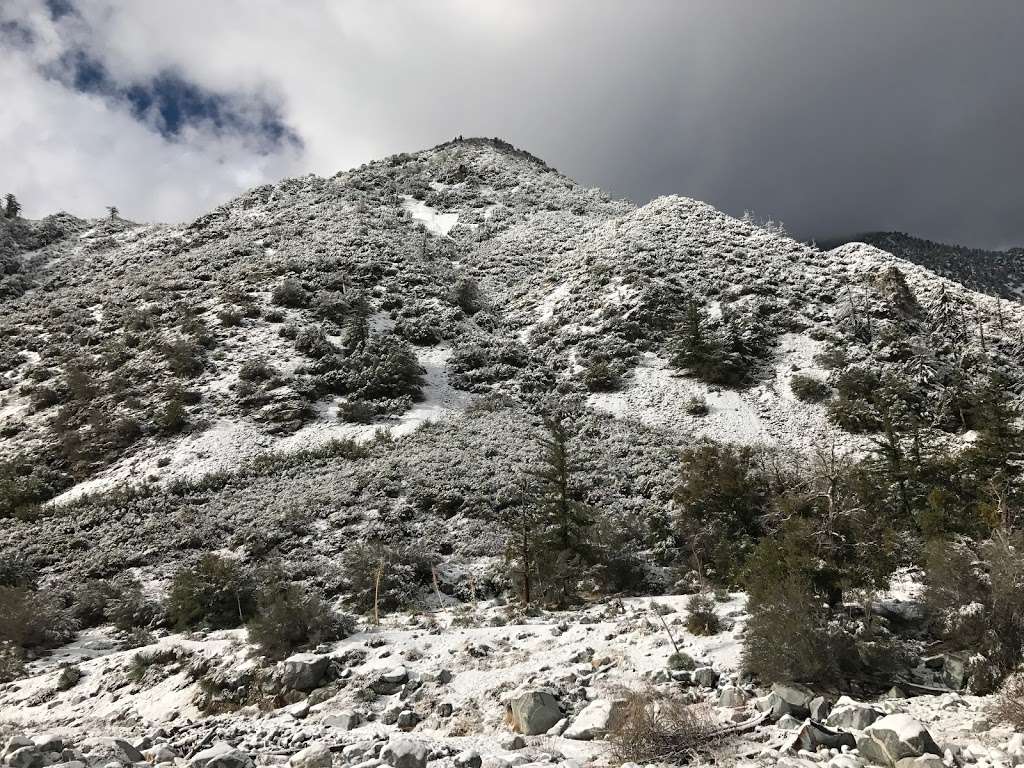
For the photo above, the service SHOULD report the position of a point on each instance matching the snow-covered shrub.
(214, 591)
(701, 616)
(383, 577)
(290, 293)
(1010, 703)
(12, 661)
(601, 375)
(808, 389)
(722, 495)
(290, 616)
(185, 357)
(662, 728)
(975, 596)
(34, 618)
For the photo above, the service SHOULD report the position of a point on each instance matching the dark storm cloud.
(835, 117)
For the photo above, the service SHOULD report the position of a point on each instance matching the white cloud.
(832, 117)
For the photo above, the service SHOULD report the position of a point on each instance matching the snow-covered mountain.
(1000, 273)
(148, 353)
(341, 389)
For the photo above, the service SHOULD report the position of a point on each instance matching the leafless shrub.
(661, 728)
(1009, 705)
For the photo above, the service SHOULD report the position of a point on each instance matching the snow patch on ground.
(230, 442)
(439, 224)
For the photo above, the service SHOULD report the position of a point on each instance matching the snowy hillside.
(449, 459)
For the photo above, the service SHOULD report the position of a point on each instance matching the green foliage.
(681, 661)
(12, 661)
(975, 595)
(701, 616)
(290, 616)
(290, 293)
(722, 495)
(808, 389)
(601, 375)
(216, 591)
(402, 571)
(726, 350)
(33, 618)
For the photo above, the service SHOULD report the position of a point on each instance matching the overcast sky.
(835, 117)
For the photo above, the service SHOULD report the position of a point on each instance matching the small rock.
(512, 743)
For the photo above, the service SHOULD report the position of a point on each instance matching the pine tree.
(357, 324)
(525, 542)
(11, 206)
(114, 213)
(565, 517)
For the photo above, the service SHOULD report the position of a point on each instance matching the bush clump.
(290, 293)
(217, 592)
(663, 728)
(808, 389)
(290, 616)
(702, 618)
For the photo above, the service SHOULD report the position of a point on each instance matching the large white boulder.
(596, 719)
(894, 737)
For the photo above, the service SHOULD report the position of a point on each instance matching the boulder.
(955, 670)
(25, 757)
(894, 737)
(407, 719)
(853, 716)
(468, 759)
(316, 755)
(731, 696)
(110, 749)
(343, 721)
(820, 708)
(303, 671)
(533, 712)
(796, 697)
(596, 719)
(47, 742)
(161, 754)
(220, 755)
(16, 742)
(811, 736)
(921, 761)
(405, 753)
(705, 677)
(397, 674)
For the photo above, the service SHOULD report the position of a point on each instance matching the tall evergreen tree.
(565, 516)
(11, 206)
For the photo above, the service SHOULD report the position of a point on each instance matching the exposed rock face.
(533, 712)
(895, 737)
